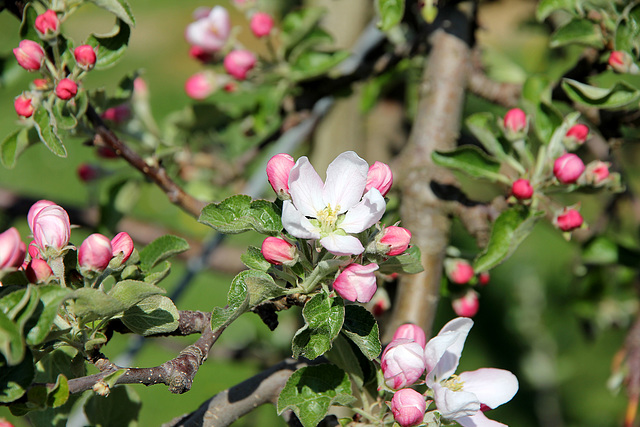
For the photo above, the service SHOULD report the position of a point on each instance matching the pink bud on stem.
(278, 169)
(278, 251)
(95, 253)
(47, 23)
(50, 226)
(568, 168)
(408, 407)
(569, 220)
(12, 249)
(357, 282)
(380, 177)
(30, 55)
(85, 57)
(261, 24)
(395, 240)
(66, 89)
(461, 272)
(38, 271)
(412, 332)
(515, 123)
(522, 189)
(23, 105)
(466, 305)
(200, 85)
(238, 63)
(122, 244)
(402, 363)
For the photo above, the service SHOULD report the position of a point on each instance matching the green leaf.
(312, 64)
(547, 7)
(536, 94)
(260, 286)
(627, 37)
(483, 127)
(110, 47)
(297, 25)
(131, 292)
(59, 395)
(120, 8)
(63, 115)
(11, 341)
(311, 390)
(346, 355)
(161, 249)
(119, 409)
(157, 276)
(324, 317)
(238, 214)
(619, 95)
(12, 146)
(409, 263)
(390, 12)
(580, 31)
(156, 314)
(253, 259)
(509, 230)
(51, 296)
(237, 304)
(472, 161)
(601, 251)
(361, 328)
(46, 132)
(95, 304)
(27, 26)
(14, 380)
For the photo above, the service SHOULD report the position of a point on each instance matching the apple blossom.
(578, 133)
(239, 62)
(66, 89)
(459, 271)
(515, 123)
(278, 251)
(412, 332)
(85, 56)
(12, 249)
(51, 228)
(522, 189)
(47, 23)
(23, 105)
(95, 253)
(41, 84)
(261, 24)
(357, 282)
(393, 240)
(200, 85)
(408, 407)
(210, 32)
(380, 177)
(35, 208)
(122, 244)
(569, 220)
(568, 168)
(30, 55)
(332, 210)
(38, 271)
(597, 172)
(466, 305)
(402, 363)
(278, 170)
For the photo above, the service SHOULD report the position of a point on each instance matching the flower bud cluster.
(464, 298)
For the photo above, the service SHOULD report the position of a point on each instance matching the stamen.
(454, 383)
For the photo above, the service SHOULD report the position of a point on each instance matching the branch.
(190, 322)
(505, 94)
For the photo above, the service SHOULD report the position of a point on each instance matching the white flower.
(464, 397)
(330, 211)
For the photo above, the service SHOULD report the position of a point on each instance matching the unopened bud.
(122, 244)
(85, 57)
(239, 62)
(38, 271)
(380, 177)
(278, 251)
(622, 62)
(66, 89)
(522, 189)
(596, 173)
(261, 24)
(23, 105)
(47, 24)
(12, 249)
(515, 124)
(569, 220)
(402, 363)
(357, 282)
(412, 332)
(200, 54)
(459, 271)
(95, 253)
(393, 240)
(278, 170)
(467, 305)
(200, 85)
(118, 114)
(568, 168)
(408, 407)
(30, 55)
(483, 278)
(51, 228)
(210, 31)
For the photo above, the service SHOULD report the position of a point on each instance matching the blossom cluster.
(463, 398)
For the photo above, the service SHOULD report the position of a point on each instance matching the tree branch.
(505, 94)
(190, 322)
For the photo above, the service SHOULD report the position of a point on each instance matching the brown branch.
(190, 322)
(505, 94)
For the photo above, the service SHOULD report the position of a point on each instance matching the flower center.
(328, 218)
(454, 383)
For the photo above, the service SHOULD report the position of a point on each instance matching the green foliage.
(253, 259)
(13, 145)
(409, 263)
(156, 314)
(239, 213)
(161, 249)
(16, 378)
(323, 317)
(110, 47)
(46, 126)
(361, 327)
(119, 8)
(390, 12)
(619, 95)
(120, 408)
(470, 160)
(581, 31)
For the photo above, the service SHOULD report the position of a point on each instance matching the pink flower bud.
(200, 54)
(578, 133)
(140, 88)
(461, 272)
(47, 24)
(278, 169)
(483, 278)
(30, 55)
(201, 12)
(12, 249)
(515, 122)
(118, 114)
(41, 84)
(200, 85)
(23, 106)
(622, 62)
(522, 189)
(396, 239)
(402, 363)
(412, 332)
(380, 303)
(467, 305)
(357, 282)
(408, 407)
(38, 271)
(66, 89)
(278, 251)
(33, 250)
(85, 57)
(88, 173)
(261, 24)
(35, 208)
(569, 220)
(239, 62)
(122, 243)
(95, 253)
(380, 177)
(210, 32)
(596, 172)
(51, 228)
(568, 168)
(106, 153)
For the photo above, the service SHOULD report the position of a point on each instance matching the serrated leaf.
(324, 317)
(110, 47)
(536, 94)
(27, 26)
(119, 409)
(161, 249)
(483, 127)
(311, 390)
(131, 292)
(547, 7)
(260, 286)
(59, 395)
(156, 314)
(409, 263)
(619, 95)
(238, 214)
(253, 259)
(157, 276)
(12, 146)
(390, 12)
(347, 357)
(361, 328)
(120, 8)
(580, 31)
(95, 304)
(46, 132)
(472, 161)
(51, 296)
(508, 231)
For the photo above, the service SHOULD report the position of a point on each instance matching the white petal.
(296, 223)
(346, 179)
(364, 214)
(305, 187)
(478, 420)
(455, 404)
(492, 386)
(342, 245)
(442, 352)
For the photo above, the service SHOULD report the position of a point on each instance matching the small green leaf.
(253, 259)
(156, 314)
(297, 25)
(547, 7)
(120, 8)
(161, 249)
(580, 31)
(110, 47)
(63, 115)
(312, 64)
(472, 161)
(619, 95)
(483, 127)
(27, 26)
(627, 37)
(46, 132)
(600, 251)
(238, 214)
(11, 342)
(260, 286)
(509, 230)
(59, 395)
(14, 380)
(119, 409)
(311, 390)
(361, 328)
(346, 355)
(131, 292)
(536, 95)
(390, 12)
(51, 296)
(12, 146)
(237, 303)
(324, 317)
(95, 304)
(409, 263)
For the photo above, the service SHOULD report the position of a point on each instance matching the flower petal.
(296, 224)
(342, 245)
(454, 404)
(443, 351)
(364, 214)
(346, 179)
(478, 420)
(492, 386)
(305, 187)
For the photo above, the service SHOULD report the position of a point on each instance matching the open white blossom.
(333, 210)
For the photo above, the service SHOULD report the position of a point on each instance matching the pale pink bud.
(597, 172)
(402, 363)
(412, 332)
(66, 89)
(12, 249)
(118, 114)
(380, 177)
(569, 220)
(210, 32)
(40, 84)
(38, 271)
(122, 243)
(467, 305)
(239, 62)
(30, 55)
(578, 133)
(95, 253)
(200, 85)
(522, 189)
(23, 106)
(357, 282)
(85, 56)
(515, 122)
(278, 251)
(568, 168)
(396, 238)
(140, 88)
(201, 12)
(51, 228)
(47, 23)
(200, 54)
(35, 208)
(461, 272)
(483, 278)
(622, 62)
(261, 24)
(408, 407)
(278, 169)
